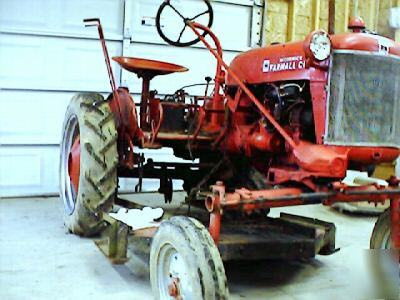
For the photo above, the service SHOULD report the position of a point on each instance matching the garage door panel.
(239, 19)
(200, 62)
(144, 30)
(50, 63)
(65, 18)
(32, 117)
(28, 170)
(35, 118)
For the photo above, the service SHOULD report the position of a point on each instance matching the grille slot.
(364, 108)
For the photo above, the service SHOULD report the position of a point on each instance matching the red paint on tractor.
(74, 163)
(395, 221)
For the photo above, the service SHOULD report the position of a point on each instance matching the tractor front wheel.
(381, 235)
(88, 163)
(185, 263)
(384, 263)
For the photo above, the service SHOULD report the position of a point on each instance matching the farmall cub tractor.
(280, 126)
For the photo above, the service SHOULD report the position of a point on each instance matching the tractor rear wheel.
(185, 263)
(88, 163)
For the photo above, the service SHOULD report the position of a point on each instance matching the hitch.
(114, 241)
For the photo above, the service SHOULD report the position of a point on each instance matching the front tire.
(89, 123)
(384, 263)
(185, 263)
(381, 235)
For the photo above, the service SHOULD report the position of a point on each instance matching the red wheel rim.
(74, 164)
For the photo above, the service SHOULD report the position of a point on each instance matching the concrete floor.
(38, 260)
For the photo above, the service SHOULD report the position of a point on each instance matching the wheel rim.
(172, 275)
(70, 168)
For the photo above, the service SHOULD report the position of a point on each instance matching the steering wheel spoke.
(181, 34)
(175, 10)
(199, 15)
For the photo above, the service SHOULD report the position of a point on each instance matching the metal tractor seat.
(147, 68)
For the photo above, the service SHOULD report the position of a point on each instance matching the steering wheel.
(207, 14)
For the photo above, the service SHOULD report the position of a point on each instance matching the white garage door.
(47, 55)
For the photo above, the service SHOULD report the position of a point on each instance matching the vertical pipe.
(355, 8)
(291, 21)
(376, 15)
(213, 205)
(316, 8)
(331, 24)
(264, 27)
(144, 101)
(346, 15)
(397, 32)
(371, 14)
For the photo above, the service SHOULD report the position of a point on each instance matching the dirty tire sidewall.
(195, 245)
(98, 163)
(385, 271)
(381, 229)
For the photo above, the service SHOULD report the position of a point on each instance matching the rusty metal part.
(156, 122)
(247, 200)
(286, 237)
(173, 288)
(148, 232)
(114, 241)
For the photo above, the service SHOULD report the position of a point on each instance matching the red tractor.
(280, 126)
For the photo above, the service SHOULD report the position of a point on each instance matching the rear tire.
(183, 254)
(98, 163)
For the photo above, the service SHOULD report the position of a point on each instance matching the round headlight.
(320, 45)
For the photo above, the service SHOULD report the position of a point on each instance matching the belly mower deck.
(286, 237)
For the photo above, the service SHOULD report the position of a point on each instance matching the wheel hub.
(70, 164)
(74, 163)
(173, 277)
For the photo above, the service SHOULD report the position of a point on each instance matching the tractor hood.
(290, 61)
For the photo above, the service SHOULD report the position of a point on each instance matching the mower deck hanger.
(271, 132)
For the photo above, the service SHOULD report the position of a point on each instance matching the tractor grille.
(364, 108)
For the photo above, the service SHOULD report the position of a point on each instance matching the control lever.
(208, 80)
